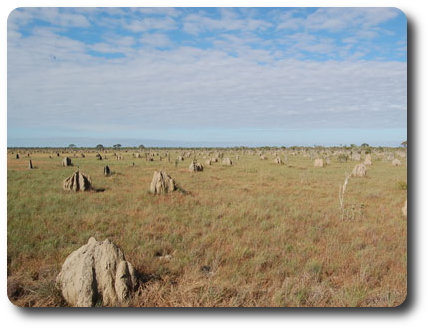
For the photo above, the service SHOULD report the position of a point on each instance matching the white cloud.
(337, 19)
(114, 44)
(121, 40)
(289, 22)
(43, 46)
(358, 23)
(158, 11)
(188, 86)
(197, 23)
(155, 40)
(151, 23)
(105, 48)
(53, 16)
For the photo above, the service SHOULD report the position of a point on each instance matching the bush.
(402, 185)
(342, 158)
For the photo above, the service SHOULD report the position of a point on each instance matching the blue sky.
(213, 76)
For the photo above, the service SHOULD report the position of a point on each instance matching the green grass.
(270, 234)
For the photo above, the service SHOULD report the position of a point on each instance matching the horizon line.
(210, 147)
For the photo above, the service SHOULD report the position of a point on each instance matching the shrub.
(342, 158)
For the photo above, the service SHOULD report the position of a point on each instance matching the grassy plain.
(253, 234)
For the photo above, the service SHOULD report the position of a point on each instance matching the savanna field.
(255, 234)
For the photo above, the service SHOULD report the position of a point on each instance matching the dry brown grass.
(253, 234)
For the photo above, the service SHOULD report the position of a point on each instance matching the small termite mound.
(227, 162)
(368, 160)
(278, 160)
(359, 170)
(66, 162)
(106, 170)
(319, 162)
(195, 167)
(77, 182)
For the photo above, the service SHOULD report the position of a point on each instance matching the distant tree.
(117, 146)
(141, 146)
(353, 145)
(99, 146)
(404, 144)
(364, 145)
(72, 145)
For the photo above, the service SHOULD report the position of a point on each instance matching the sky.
(206, 76)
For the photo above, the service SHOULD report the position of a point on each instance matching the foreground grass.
(254, 234)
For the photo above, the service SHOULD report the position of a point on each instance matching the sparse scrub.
(342, 158)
